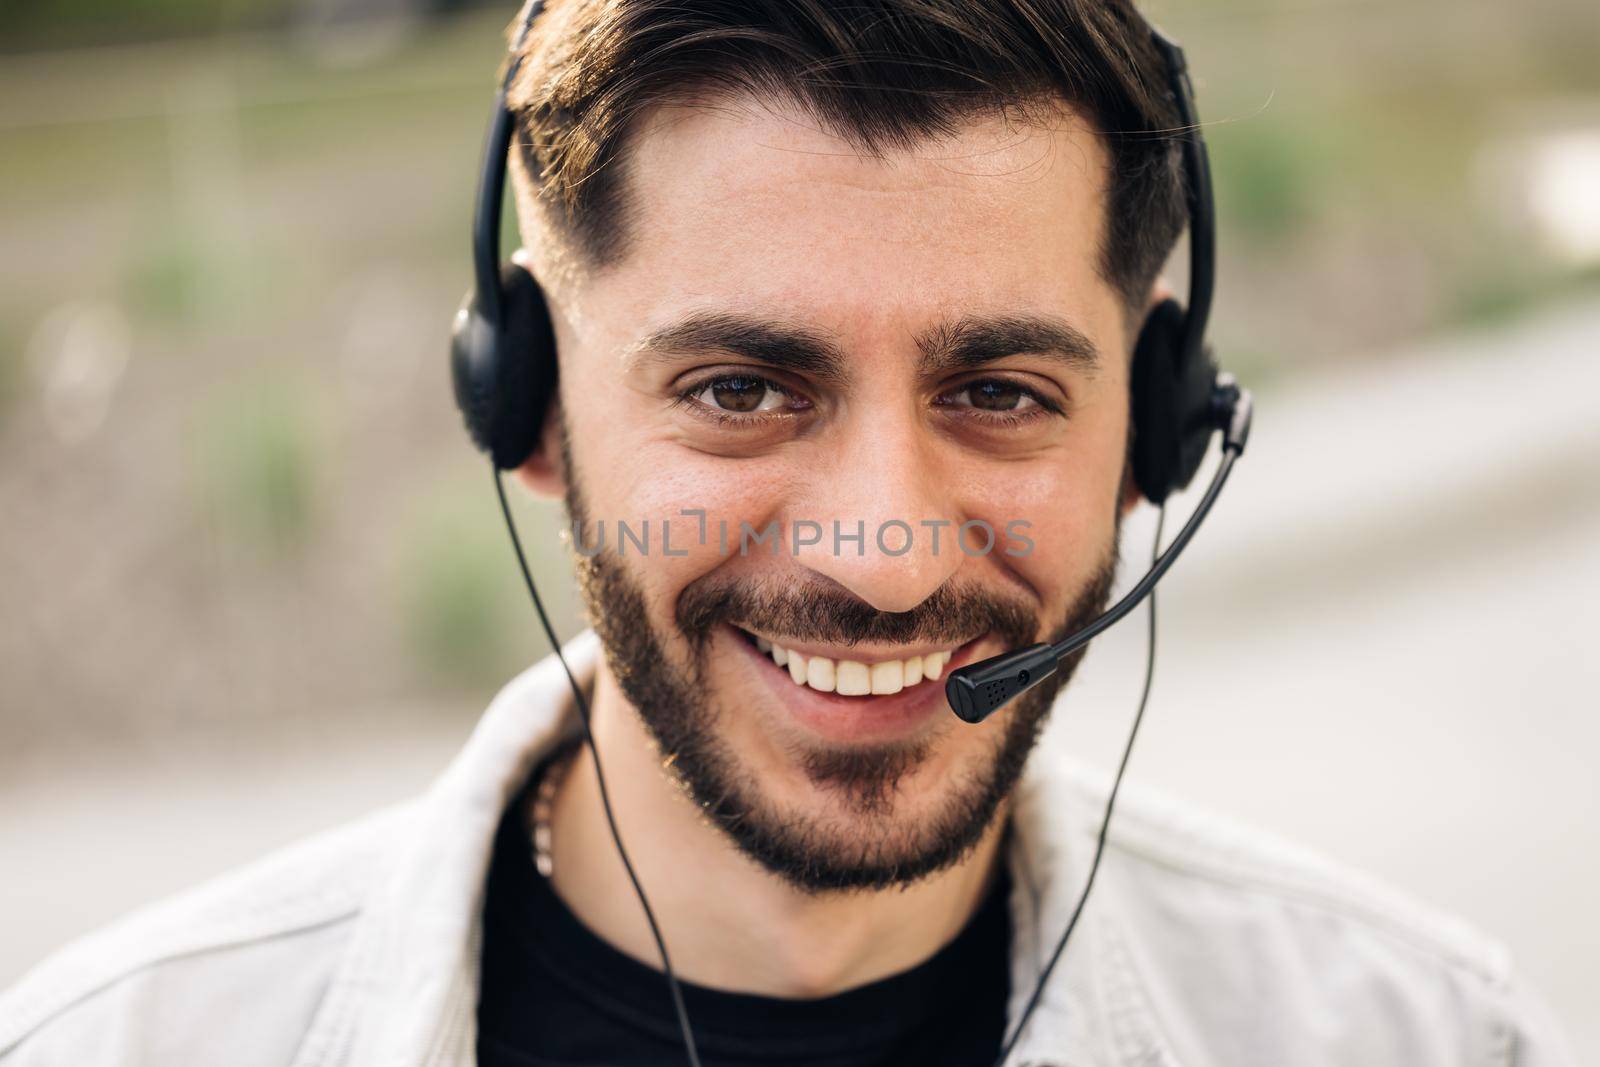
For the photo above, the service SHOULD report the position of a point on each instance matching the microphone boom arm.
(978, 690)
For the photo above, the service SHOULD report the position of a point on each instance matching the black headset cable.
(1105, 820)
(594, 754)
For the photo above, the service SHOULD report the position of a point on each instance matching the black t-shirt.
(554, 994)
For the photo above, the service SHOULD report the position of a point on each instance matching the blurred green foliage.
(29, 24)
(455, 592)
(1266, 169)
(1505, 292)
(11, 371)
(45, 23)
(166, 276)
(257, 451)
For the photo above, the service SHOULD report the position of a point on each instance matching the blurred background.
(254, 581)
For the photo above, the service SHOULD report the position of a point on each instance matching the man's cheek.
(706, 507)
(1054, 554)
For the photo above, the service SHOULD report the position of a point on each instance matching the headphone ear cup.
(527, 356)
(1170, 401)
(505, 378)
(1154, 400)
(474, 370)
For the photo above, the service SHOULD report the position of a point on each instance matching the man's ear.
(1130, 493)
(1160, 290)
(543, 474)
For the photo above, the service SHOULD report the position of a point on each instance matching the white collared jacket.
(1203, 944)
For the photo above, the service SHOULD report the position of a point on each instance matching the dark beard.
(872, 851)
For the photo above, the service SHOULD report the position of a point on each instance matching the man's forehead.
(733, 199)
(731, 147)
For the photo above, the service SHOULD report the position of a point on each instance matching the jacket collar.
(406, 992)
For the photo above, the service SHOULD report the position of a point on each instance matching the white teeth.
(888, 677)
(851, 677)
(819, 674)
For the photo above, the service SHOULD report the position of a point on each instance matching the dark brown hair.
(885, 74)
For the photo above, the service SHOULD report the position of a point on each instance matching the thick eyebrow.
(973, 341)
(965, 344)
(781, 345)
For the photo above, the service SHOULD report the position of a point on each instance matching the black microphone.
(978, 690)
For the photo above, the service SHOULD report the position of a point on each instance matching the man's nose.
(883, 516)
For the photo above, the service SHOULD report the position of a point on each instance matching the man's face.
(800, 334)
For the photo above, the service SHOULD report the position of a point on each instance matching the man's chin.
(826, 816)
(868, 824)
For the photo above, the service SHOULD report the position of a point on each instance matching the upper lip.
(864, 653)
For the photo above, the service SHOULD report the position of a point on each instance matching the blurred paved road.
(1384, 643)
(1382, 646)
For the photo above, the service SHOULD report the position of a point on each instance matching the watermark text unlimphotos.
(892, 537)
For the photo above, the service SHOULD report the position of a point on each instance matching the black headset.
(502, 344)
(503, 365)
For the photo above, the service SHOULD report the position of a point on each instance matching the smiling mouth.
(849, 677)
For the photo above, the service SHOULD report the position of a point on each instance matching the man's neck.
(728, 923)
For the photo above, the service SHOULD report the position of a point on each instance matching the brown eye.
(995, 396)
(740, 394)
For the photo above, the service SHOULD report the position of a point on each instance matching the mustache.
(828, 614)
